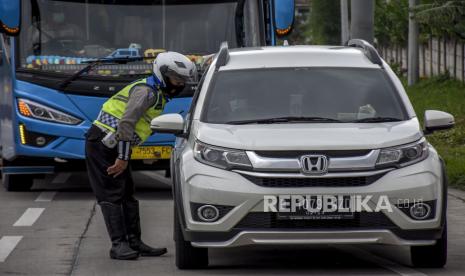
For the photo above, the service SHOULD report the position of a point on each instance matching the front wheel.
(187, 256)
(17, 182)
(432, 256)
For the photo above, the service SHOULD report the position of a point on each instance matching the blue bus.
(46, 108)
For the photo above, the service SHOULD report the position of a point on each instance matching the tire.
(17, 182)
(431, 256)
(168, 173)
(187, 256)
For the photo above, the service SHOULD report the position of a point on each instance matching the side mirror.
(172, 123)
(437, 120)
(283, 16)
(10, 17)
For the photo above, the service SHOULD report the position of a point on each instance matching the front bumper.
(313, 237)
(202, 184)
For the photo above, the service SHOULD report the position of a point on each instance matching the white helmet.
(174, 70)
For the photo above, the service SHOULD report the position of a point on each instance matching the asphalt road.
(56, 229)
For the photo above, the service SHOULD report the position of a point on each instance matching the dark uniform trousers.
(99, 158)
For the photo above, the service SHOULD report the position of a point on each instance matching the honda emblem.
(314, 164)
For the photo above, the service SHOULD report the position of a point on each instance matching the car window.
(194, 103)
(341, 94)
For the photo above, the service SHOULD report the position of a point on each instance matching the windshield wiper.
(377, 120)
(95, 63)
(284, 120)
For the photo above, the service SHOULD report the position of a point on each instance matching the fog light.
(31, 138)
(41, 141)
(208, 213)
(420, 211)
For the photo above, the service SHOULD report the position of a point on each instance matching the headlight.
(35, 110)
(220, 157)
(404, 155)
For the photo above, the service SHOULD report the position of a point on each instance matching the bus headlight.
(38, 111)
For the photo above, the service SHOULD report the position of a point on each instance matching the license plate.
(314, 210)
(151, 152)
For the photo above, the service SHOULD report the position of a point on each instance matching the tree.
(413, 47)
(324, 25)
(391, 22)
(443, 17)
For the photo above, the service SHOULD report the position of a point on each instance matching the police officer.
(124, 121)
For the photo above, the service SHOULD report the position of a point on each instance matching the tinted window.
(343, 94)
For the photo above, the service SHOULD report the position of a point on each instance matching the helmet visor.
(177, 79)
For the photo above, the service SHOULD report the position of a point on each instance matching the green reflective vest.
(113, 110)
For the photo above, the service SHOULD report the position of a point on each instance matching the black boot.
(114, 221)
(132, 219)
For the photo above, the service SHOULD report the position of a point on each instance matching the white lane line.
(46, 196)
(382, 262)
(61, 178)
(29, 217)
(7, 245)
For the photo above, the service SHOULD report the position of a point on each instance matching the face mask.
(172, 90)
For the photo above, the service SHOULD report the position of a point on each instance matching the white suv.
(305, 145)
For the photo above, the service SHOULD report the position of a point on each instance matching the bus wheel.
(17, 182)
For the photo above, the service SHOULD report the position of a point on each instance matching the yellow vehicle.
(152, 53)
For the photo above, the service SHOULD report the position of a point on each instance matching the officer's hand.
(118, 168)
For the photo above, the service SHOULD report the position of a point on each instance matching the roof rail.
(223, 55)
(368, 49)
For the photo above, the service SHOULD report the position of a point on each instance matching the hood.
(309, 136)
(88, 105)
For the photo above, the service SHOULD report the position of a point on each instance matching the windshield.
(301, 95)
(59, 35)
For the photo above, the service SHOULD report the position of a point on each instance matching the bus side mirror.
(283, 16)
(10, 17)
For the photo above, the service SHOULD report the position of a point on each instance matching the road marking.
(7, 245)
(46, 196)
(29, 217)
(61, 178)
(382, 262)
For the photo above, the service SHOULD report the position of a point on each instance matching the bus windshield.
(61, 35)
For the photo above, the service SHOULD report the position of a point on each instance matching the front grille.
(298, 154)
(367, 220)
(272, 182)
